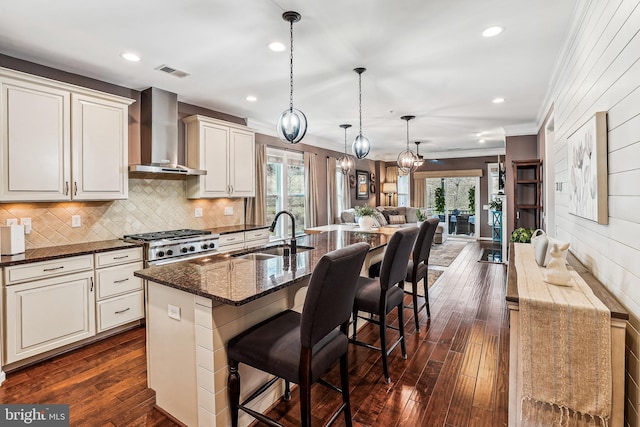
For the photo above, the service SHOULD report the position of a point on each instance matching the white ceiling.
(423, 57)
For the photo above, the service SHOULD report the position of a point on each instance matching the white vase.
(420, 223)
(365, 222)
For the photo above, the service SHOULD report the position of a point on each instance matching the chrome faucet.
(293, 229)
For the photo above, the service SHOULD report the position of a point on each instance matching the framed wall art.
(587, 167)
(362, 185)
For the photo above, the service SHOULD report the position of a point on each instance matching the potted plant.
(365, 216)
(522, 235)
(439, 200)
(495, 205)
(422, 217)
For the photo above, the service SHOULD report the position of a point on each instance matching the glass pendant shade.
(346, 163)
(361, 145)
(406, 159)
(292, 125)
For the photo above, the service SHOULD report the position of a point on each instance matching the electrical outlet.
(76, 221)
(27, 225)
(485, 207)
(12, 221)
(198, 213)
(174, 312)
(228, 210)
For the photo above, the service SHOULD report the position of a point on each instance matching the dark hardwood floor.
(456, 373)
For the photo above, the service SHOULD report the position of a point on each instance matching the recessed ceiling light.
(251, 98)
(493, 31)
(498, 100)
(277, 46)
(481, 140)
(129, 56)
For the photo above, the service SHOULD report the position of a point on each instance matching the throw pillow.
(389, 212)
(382, 221)
(397, 219)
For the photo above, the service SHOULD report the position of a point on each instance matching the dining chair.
(381, 295)
(301, 347)
(418, 270)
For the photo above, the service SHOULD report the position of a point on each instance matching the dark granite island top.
(228, 279)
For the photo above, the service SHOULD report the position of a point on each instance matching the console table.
(619, 318)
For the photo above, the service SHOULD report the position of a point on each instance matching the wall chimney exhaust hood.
(159, 134)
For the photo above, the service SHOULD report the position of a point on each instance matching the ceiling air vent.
(170, 70)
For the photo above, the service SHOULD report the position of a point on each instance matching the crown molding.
(521, 129)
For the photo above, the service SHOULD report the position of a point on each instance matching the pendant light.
(346, 162)
(406, 159)
(292, 124)
(419, 159)
(361, 144)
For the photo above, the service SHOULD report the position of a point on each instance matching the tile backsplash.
(153, 205)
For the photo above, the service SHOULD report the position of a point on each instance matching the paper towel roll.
(11, 239)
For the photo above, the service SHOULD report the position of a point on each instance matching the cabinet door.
(208, 148)
(242, 164)
(48, 314)
(35, 141)
(99, 147)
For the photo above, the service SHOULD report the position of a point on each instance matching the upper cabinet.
(61, 142)
(226, 151)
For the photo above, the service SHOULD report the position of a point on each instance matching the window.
(340, 187)
(285, 189)
(403, 190)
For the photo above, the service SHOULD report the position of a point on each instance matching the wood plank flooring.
(456, 372)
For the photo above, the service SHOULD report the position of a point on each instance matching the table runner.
(565, 345)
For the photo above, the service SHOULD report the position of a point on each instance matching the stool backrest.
(396, 257)
(331, 292)
(422, 248)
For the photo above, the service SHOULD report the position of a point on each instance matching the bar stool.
(380, 296)
(418, 270)
(300, 348)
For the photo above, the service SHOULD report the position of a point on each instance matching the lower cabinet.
(243, 240)
(120, 295)
(46, 314)
(51, 304)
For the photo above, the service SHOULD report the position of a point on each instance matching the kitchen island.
(194, 307)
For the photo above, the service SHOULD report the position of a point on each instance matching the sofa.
(395, 216)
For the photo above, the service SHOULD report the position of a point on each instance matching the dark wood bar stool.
(380, 296)
(300, 348)
(418, 270)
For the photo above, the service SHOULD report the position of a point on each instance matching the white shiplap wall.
(600, 71)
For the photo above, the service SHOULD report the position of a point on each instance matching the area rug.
(443, 254)
(434, 275)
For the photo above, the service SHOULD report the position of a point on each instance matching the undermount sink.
(256, 256)
(270, 252)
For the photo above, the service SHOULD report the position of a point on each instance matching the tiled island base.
(187, 358)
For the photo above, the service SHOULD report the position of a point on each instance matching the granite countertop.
(64, 251)
(237, 228)
(228, 279)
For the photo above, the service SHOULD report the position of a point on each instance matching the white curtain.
(311, 190)
(332, 190)
(257, 206)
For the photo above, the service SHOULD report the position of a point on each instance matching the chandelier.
(406, 159)
(292, 124)
(361, 144)
(346, 162)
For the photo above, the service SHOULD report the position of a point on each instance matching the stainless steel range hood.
(159, 134)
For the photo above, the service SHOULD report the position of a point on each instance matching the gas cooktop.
(166, 235)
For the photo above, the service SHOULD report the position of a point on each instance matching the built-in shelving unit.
(527, 188)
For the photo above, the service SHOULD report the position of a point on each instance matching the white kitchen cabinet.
(61, 142)
(243, 240)
(120, 295)
(226, 151)
(46, 314)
